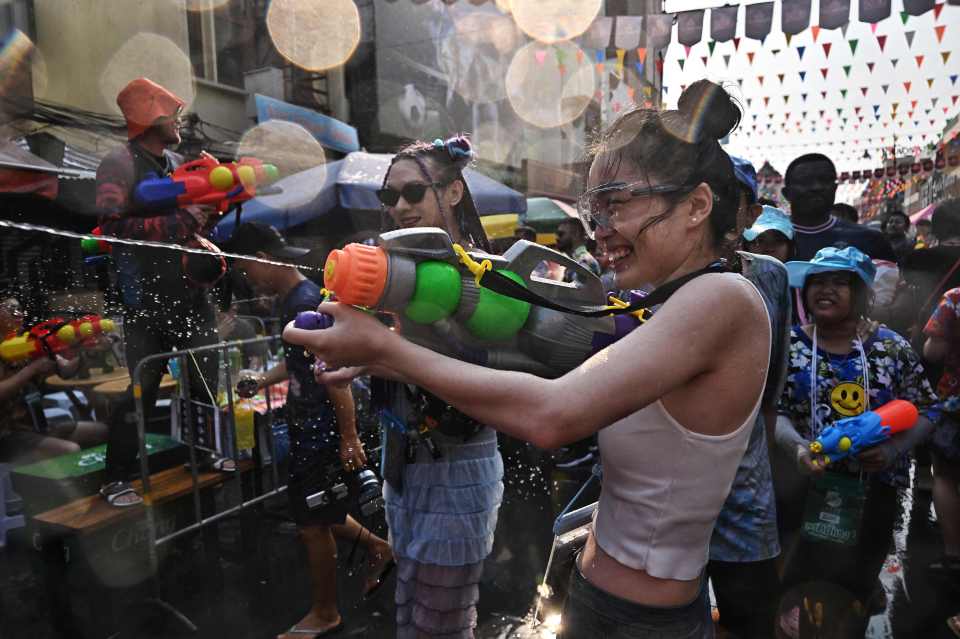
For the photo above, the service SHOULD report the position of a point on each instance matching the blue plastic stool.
(7, 497)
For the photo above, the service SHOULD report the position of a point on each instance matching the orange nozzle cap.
(357, 274)
(898, 414)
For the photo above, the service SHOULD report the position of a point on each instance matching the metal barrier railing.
(221, 348)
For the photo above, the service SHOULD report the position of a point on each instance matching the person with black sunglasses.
(673, 403)
(442, 469)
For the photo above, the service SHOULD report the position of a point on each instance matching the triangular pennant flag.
(882, 41)
(919, 59)
(789, 37)
(816, 32)
(884, 87)
(824, 72)
(621, 54)
(930, 83)
(749, 102)
(909, 36)
(766, 101)
(939, 31)
(786, 99)
(933, 101)
(843, 28)
(873, 28)
(803, 76)
(906, 85)
(736, 44)
(642, 54)
(704, 59)
(895, 105)
(870, 66)
(913, 103)
(639, 66)
(826, 49)
(904, 16)
(540, 56)
(750, 57)
(843, 93)
(864, 90)
(681, 62)
(686, 49)
(846, 69)
(780, 76)
(726, 60)
(711, 45)
(774, 51)
(804, 96)
(853, 46)
(953, 78)
(839, 112)
(945, 55)
(893, 61)
(760, 79)
(937, 8)
(823, 94)
(953, 98)
(800, 51)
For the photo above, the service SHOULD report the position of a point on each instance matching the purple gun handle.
(312, 321)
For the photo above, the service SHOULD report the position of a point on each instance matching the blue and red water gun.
(853, 435)
(206, 181)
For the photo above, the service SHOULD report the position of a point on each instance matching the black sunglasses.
(412, 192)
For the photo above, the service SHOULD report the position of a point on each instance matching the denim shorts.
(591, 613)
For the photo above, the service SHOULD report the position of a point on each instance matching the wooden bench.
(87, 514)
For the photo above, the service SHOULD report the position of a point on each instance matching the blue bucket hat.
(746, 175)
(832, 259)
(770, 219)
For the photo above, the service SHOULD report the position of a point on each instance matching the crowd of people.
(779, 324)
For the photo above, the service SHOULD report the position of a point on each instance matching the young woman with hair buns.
(673, 403)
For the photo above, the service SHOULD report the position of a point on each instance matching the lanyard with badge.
(835, 501)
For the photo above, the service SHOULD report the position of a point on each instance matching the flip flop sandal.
(316, 633)
(387, 569)
(114, 491)
(220, 464)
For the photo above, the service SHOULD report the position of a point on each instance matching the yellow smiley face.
(847, 399)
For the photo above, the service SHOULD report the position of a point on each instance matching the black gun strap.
(503, 285)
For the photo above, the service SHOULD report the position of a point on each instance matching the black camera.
(371, 496)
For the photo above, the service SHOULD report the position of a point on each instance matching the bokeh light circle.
(314, 35)
(549, 86)
(476, 55)
(554, 20)
(151, 56)
(298, 156)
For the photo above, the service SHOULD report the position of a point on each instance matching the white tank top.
(663, 487)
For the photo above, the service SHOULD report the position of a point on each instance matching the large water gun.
(54, 337)
(418, 276)
(205, 181)
(853, 435)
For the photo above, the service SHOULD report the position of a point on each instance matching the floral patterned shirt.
(945, 324)
(893, 372)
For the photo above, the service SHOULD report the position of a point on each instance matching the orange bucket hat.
(142, 102)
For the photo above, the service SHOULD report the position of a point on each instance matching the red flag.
(736, 44)
(937, 8)
(826, 49)
(760, 79)
(870, 66)
(642, 54)
(939, 30)
(882, 41)
(816, 32)
(919, 59)
(750, 57)
(824, 73)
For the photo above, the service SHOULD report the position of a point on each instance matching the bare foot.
(378, 565)
(312, 624)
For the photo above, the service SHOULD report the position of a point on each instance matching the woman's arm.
(688, 336)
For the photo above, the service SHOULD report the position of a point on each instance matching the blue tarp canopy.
(352, 183)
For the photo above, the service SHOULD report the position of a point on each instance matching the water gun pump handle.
(312, 321)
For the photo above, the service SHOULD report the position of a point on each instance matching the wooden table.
(85, 385)
(114, 388)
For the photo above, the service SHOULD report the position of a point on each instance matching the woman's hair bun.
(458, 148)
(710, 109)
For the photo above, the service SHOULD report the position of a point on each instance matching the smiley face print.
(847, 399)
